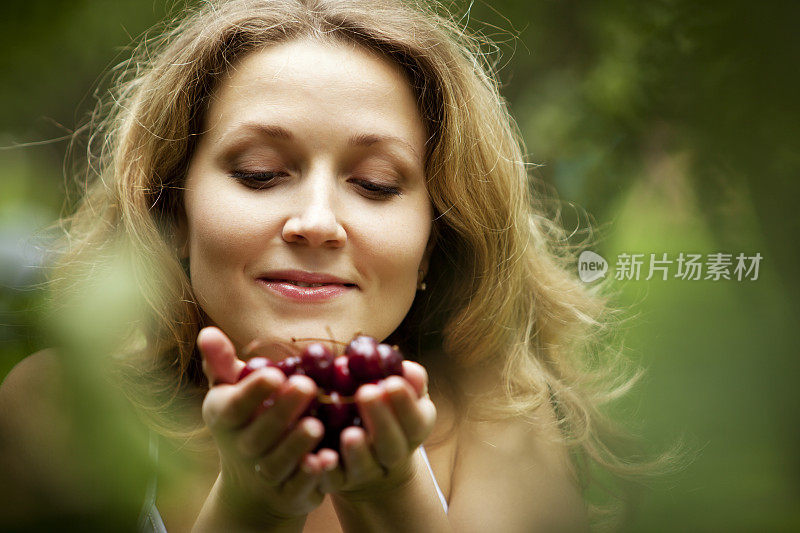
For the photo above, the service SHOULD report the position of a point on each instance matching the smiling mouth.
(307, 291)
(304, 284)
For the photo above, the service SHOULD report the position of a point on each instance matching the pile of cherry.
(338, 377)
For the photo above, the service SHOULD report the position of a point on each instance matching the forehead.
(309, 84)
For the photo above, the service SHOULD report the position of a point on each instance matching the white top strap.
(149, 518)
(435, 483)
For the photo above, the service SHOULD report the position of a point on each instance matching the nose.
(314, 221)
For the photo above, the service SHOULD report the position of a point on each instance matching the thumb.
(220, 363)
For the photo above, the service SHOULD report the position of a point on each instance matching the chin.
(269, 329)
(289, 330)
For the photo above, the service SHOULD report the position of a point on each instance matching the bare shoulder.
(33, 384)
(40, 367)
(32, 432)
(31, 405)
(515, 475)
(44, 453)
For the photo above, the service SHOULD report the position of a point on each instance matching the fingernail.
(370, 392)
(300, 384)
(313, 429)
(394, 385)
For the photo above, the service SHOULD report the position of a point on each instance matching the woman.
(284, 169)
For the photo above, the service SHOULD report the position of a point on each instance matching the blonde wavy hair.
(503, 293)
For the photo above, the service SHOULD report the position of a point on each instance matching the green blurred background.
(670, 126)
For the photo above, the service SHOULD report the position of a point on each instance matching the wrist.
(408, 503)
(385, 488)
(228, 510)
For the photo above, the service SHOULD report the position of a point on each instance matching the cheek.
(223, 234)
(396, 246)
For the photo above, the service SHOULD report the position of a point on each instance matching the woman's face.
(307, 213)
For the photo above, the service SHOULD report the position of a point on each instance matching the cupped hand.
(398, 416)
(267, 471)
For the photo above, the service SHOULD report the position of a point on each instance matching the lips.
(303, 278)
(304, 286)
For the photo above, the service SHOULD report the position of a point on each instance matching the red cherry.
(343, 382)
(317, 363)
(336, 414)
(391, 360)
(254, 364)
(365, 362)
(290, 366)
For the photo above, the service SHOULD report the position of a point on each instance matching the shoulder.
(31, 397)
(40, 366)
(31, 430)
(515, 475)
(44, 453)
(33, 384)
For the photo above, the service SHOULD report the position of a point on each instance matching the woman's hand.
(398, 415)
(268, 476)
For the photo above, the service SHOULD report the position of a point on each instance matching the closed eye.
(376, 191)
(257, 180)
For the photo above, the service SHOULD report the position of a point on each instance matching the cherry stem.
(326, 398)
(306, 339)
(255, 344)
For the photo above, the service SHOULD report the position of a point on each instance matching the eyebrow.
(368, 139)
(358, 139)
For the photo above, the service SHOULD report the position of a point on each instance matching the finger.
(278, 464)
(387, 438)
(417, 376)
(228, 407)
(328, 458)
(416, 417)
(220, 363)
(287, 404)
(332, 476)
(303, 483)
(358, 460)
